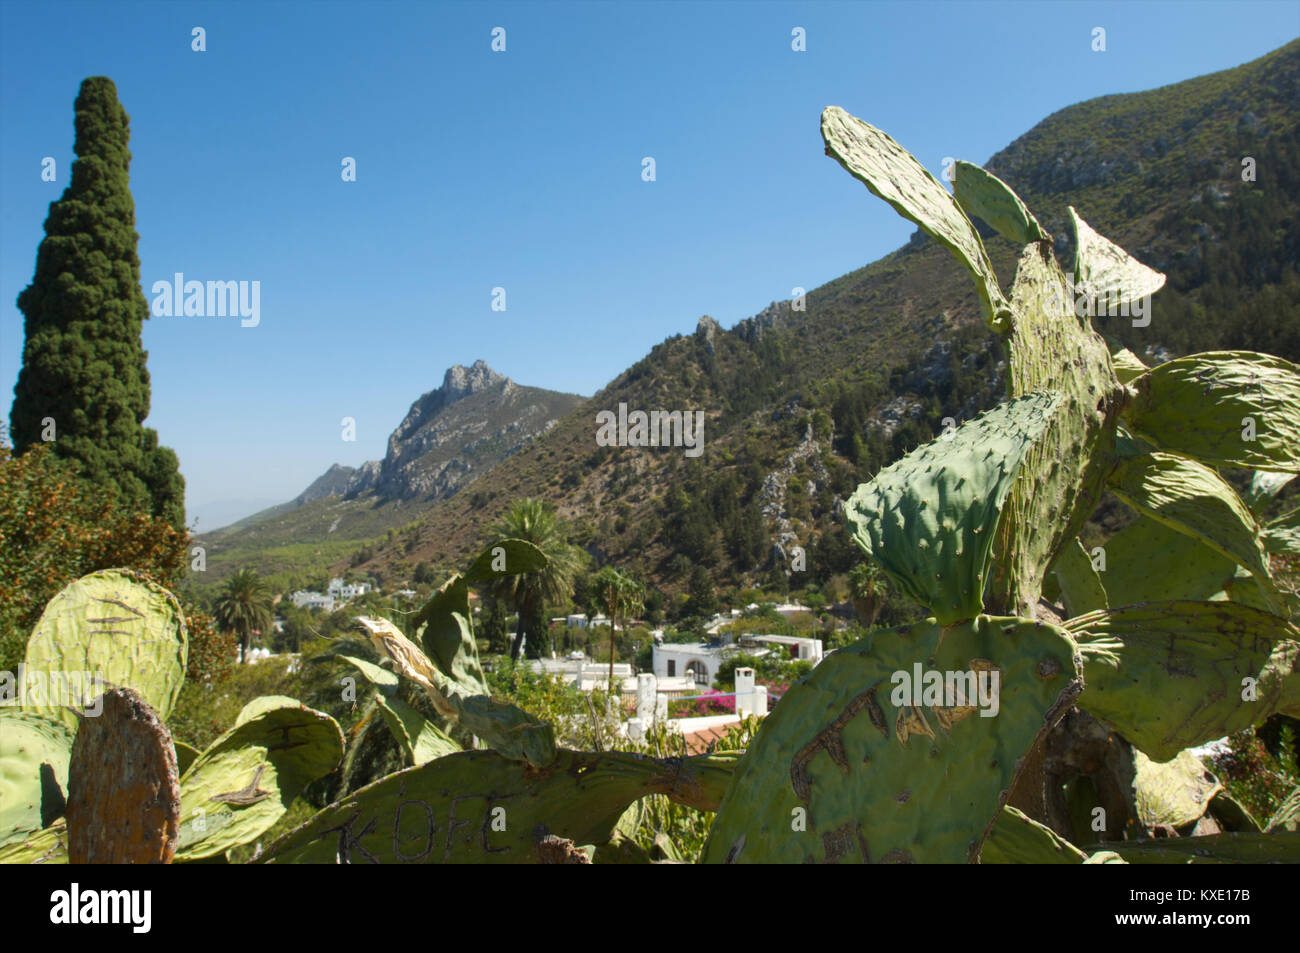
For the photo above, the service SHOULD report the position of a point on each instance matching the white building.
(338, 590)
(797, 648)
(579, 621)
(583, 673)
(702, 662)
(312, 600)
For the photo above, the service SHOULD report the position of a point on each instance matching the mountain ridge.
(802, 406)
(473, 420)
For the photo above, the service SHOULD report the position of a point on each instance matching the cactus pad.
(1063, 475)
(420, 739)
(1148, 561)
(1282, 535)
(1199, 406)
(982, 194)
(1018, 839)
(1172, 793)
(1107, 273)
(1193, 499)
(1280, 847)
(505, 557)
(510, 730)
(478, 807)
(929, 518)
(1081, 586)
(1171, 675)
(113, 629)
(838, 771)
(893, 174)
(34, 753)
(245, 781)
(443, 626)
(123, 789)
(186, 755)
(46, 846)
(1264, 485)
(1128, 366)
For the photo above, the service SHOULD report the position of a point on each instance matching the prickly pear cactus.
(1017, 839)
(444, 624)
(893, 174)
(1172, 793)
(1235, 408)
(1128, 366)
(46, 846)
(505, 557)
(246, 779)
(1172, 675)
(1052, 348)
(1105, 275)
(510, 730)
(478, 807)
(823, 780)
(1282, 535)
(185, 755)
(1264, 485)
(929, 519)
(109, 629)
(1148, 561)
(1193, 499)
(421, 739)
(850, 768)
(982, 194)
(123, 788)
(1279, 847)
(1081, 587)
(34, 753)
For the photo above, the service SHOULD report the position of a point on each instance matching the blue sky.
(520, 169)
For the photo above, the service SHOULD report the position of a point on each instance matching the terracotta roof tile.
(697, 742)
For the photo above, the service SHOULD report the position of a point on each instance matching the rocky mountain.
(451, 435)
(802, 405)
(333, 482)
(475, 420)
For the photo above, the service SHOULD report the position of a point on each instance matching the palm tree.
(868, 588)
(535, 521)
(617, 594)
(243, 606)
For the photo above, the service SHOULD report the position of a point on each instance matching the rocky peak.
(775, 315)
(706, 330)
(461, 381)
(333, 481)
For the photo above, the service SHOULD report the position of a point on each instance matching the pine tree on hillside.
(83, 372)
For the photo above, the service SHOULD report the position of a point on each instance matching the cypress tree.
(83, 367)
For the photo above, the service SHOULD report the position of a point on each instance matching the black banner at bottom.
(138, 904)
